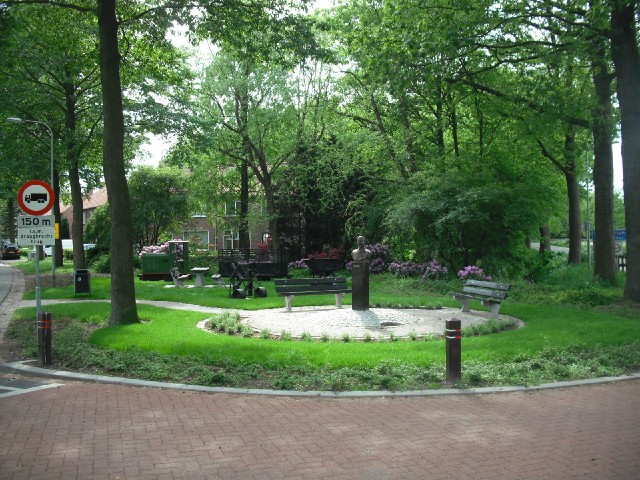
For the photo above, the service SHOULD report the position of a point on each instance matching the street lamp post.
(53, 248)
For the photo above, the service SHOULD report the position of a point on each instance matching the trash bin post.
(82, 281)
(453, 337)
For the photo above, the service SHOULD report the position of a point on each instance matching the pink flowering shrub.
(406, 269)
(434, 271)
(298, 264)
(164, 248)
(472, 272)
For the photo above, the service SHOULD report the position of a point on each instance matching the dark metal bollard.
(453, 336)
(44, 339)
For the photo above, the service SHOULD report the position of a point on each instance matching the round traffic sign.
(36, 197)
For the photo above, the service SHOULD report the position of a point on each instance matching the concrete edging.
(23, 368)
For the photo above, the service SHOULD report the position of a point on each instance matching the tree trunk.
(412, 167)
(56, 213)
(602, 128)
(545, 239)
(272, 210)
(243, 227)
(575, 231)
(123, 298)
(568, 169)
(244, 241)
(77, 227)
(11, 219)
(573, 194)
(626, 58)
(439, 120)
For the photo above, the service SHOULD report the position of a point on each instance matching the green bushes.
(101, 264)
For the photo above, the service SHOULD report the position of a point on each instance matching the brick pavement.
(98, 431)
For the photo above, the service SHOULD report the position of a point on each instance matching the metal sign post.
(36, 198)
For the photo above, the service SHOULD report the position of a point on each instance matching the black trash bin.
(82, 281)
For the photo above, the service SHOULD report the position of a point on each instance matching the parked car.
(67, 244)
(9, 251)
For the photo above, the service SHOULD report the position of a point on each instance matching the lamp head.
(15, 120)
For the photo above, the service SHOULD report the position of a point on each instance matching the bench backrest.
(487, 289)
(315, 284)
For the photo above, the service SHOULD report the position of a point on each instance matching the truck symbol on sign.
(36, 197)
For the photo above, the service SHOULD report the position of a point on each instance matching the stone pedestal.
(360, 286)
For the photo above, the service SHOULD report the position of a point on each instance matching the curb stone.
(22, 367)
(12, 301)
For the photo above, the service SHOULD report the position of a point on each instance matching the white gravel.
(376, 322)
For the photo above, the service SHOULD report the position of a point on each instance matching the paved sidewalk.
(97, 431)
(54, 429)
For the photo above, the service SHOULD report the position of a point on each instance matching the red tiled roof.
(95, 199)
(91, 200)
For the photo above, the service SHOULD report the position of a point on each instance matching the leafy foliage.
(160, 201)
(465, 220)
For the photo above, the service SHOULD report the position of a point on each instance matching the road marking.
(6, 391)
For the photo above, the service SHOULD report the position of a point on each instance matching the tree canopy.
(454, 129)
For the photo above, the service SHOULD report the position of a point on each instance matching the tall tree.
(56, 51)
(626, 58)
(123, 297)
(603, 130)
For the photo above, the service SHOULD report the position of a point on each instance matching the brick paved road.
(98, 431)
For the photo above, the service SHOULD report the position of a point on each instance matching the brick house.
(221, 234)
(90, 202)
(218, 236)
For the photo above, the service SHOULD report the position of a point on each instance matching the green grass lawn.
(219, 296)
(558, 343)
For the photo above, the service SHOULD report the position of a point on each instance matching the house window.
(199, 238)
(232, 209)
(230, 240)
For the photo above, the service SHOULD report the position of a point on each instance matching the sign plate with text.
(36, 230)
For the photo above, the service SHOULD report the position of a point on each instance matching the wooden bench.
(290, 287)
(178, 279)
(489, 293)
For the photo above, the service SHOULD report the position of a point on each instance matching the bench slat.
(311, 288)
(314, 292)
(483, 292)
(310, 281)
(490, 285)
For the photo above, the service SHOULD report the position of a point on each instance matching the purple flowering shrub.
(299, 265)
(379, 251)
(377, 265)
(406, 269)
(472, 272)
(434, 271)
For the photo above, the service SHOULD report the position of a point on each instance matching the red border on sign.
(47, 206)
